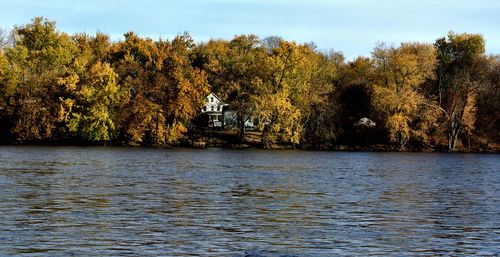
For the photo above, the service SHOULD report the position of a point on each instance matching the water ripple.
(100, 201)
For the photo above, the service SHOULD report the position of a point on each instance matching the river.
(107, 201)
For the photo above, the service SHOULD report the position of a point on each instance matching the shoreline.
(243, 147)
(227, 139)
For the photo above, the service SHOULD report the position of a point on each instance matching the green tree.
(90, 91)
(460, 73)
(91, 113)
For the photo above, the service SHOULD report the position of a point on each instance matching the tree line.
(88, 89)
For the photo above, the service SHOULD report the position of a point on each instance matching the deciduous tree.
(40, 57)
(460, 73)
(399, 74)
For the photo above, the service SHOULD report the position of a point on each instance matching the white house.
(220, 116)
(213, 107)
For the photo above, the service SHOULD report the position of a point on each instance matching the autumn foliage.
(88, 89)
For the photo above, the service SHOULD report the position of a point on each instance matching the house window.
(214, 118)
(211, 99)
(212, 108)
(218, 108)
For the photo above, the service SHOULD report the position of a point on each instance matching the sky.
(351, 26)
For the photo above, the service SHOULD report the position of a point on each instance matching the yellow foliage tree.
(165, 90)
(399, 74)
(278, 115)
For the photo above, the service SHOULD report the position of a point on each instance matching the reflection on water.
(60, 201)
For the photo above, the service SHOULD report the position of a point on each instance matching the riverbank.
(252, 140)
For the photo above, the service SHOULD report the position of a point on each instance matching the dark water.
(64, 201)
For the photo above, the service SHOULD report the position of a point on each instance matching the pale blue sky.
(351, 26)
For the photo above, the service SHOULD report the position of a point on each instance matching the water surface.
(104, 201)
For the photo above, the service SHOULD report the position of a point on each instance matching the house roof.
(220, 100)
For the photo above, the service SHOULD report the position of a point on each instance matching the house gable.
(213, 104)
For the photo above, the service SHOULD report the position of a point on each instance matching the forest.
(57, 88)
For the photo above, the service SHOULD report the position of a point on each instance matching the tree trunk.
(242, 132)
(241, 126)
(452, 138)
(455, 126)
(266, 144)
